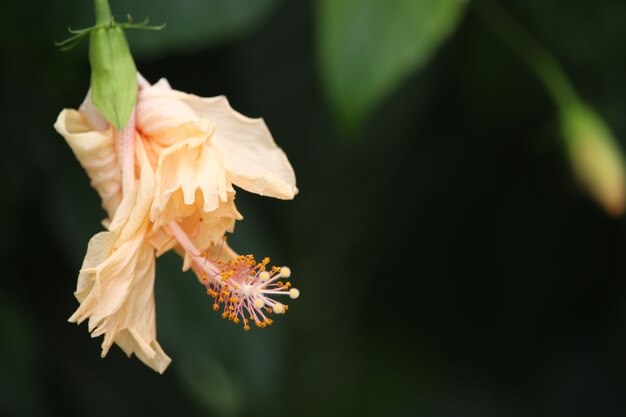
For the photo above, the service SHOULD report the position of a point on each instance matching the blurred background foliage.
(449, 260)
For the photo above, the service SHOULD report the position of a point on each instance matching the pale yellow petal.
(247, 148)
(161, 241)
(185, 170)
(133, 327)
(249, 153)
(204, 229)
(207, 229)
(104, 287)
(164, 119)
(115, 285)
(139, 206)
(95, 150)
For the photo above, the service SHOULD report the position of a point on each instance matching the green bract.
(113, 74)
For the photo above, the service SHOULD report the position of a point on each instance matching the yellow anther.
(216, 307)
(246, 327)
(224, 315)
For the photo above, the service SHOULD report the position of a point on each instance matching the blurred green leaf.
(367, 47)
(210, 384)
(20, 354)
(224, 370)
(191, 24)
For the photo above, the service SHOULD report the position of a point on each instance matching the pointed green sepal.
(113, 74)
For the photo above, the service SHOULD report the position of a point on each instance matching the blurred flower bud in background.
(596, 158)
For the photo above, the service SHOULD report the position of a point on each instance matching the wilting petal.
(185, 168)
(133, 326)
(95, 150)
(164, 119)
(204, 229)
(115, 285)
(248, 150)
(246, 146)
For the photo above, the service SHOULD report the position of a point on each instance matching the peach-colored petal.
(183, 169)
(207, 229)
(164, 119)
(247, 147)
(132, 327)
(115, 285)
(204, 229)
(95, 150)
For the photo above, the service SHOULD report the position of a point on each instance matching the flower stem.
(125, 141)
(103, 12)
(521, 42)
(191, 250)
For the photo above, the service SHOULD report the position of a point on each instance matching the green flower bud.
(113, 74)
(596, 157)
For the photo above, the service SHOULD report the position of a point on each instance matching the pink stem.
(204, 264)
(125, 144)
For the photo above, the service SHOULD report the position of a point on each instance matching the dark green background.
(449, 263)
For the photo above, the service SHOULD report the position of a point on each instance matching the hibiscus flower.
(166, 182)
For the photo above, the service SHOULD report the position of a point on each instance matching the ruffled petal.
(247, 147)
(164, 119)
(115, 285)
(95, 150)
(187, 171)
(133, 326)
(204, 229)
